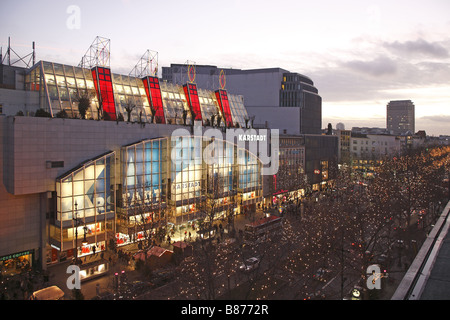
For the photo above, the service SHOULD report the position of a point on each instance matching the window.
(85, 189)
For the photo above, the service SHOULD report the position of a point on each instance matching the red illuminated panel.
(104, 88)
(190, 90)
(222, 98)
(153, 92)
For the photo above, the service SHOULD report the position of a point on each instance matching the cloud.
(417, 47)
(377, 67)
(436, 118)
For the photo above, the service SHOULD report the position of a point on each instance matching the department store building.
(109, 178)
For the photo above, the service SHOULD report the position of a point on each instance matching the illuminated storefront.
(16, 263)
(229, 179)
(86, 202)
(142, 196)
(289, 183)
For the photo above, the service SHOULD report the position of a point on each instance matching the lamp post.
(76, 231)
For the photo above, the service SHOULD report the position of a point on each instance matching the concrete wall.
(29, 143)
(259, 89)
(282, 118)
(13, 101)
(20, 216)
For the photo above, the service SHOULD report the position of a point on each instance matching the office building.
(274, 97)
(400, 117)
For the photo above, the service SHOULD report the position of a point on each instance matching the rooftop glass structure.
(110, 95)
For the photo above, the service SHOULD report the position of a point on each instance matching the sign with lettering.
(16, 255)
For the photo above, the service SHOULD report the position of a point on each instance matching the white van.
(49, 293)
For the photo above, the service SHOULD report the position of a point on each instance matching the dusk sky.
(360, 54)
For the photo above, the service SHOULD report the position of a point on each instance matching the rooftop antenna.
(211, 82)
(146, 66)
(186, 74)
(31, 56)
(98, 54)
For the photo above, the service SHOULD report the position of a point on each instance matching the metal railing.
(415, 279)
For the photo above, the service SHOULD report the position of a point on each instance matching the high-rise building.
(400, 117)
(274, 97)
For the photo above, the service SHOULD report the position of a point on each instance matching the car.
(249, 264)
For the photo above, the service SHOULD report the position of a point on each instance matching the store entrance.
(16, 263)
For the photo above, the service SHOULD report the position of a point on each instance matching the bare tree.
(129, 106)
(84, 104)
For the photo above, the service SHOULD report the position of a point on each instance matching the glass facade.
(238, 110)
(209, 107)
(175, 103)
(229, 174)
(61, 86)
(155, 182)
(129, 92)
(85, 202)
(142, 196)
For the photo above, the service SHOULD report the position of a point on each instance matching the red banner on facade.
(190, 90)
(153, 91)
(105, 93)
(224, 104)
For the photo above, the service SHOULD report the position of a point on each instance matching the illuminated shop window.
(89, 187)
(218, 178)
(144, 173)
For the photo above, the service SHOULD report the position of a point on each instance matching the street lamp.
(76, 231)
